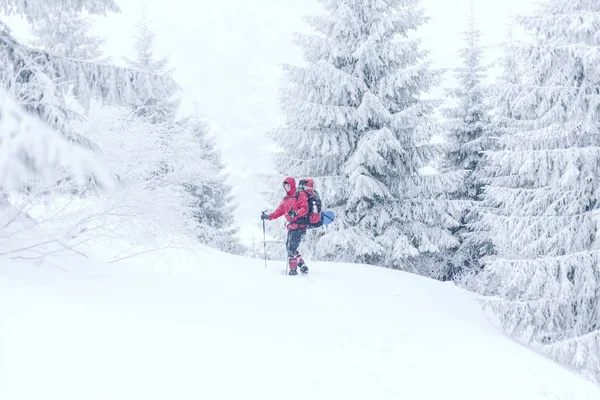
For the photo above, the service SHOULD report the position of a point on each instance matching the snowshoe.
(304, 269)
(293, 272)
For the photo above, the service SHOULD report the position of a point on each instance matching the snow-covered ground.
(182, 324)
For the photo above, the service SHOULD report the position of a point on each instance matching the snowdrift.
(200, 324)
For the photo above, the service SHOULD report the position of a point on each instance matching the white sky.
(226, 55)
(225, 52)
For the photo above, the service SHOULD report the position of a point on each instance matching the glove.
(292, 213)
(264, 215)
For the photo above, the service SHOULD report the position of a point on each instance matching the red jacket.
(290, 202)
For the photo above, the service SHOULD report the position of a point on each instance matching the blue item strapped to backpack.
(327, 217)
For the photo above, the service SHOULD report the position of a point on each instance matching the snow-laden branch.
(29, 149)
(21, 66)
(40, 9)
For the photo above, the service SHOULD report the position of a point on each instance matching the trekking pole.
(265, 239)
(286, 258)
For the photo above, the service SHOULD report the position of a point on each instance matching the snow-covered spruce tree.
(505, 91)
(542, 200)
(469, 131)
(212, 200)
(34, 80)
(355, 123)
(202, 198)
(38, 80)
(153, 164)
(65, 33)
(503, 94)
(156, 109)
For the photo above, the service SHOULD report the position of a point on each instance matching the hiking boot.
(293, 265)
(304, 269)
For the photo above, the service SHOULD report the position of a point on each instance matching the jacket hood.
(292, 182)
(308, 184)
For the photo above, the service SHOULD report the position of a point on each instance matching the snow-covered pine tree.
(543, 199)
(204, 198)
(505, 90)
(38, 80)
(160, 109)
(152, 162)
(468, 135)
(212, 200)
(35, 80)
(503, 113)
(356, 123)
(65, 33)
(156, 109)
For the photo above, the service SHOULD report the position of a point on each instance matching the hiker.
(294, 207)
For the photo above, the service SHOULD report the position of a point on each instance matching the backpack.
(313, 218)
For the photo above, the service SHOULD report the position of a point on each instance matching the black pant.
(294, 238)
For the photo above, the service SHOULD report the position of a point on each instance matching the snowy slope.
(207, 325)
